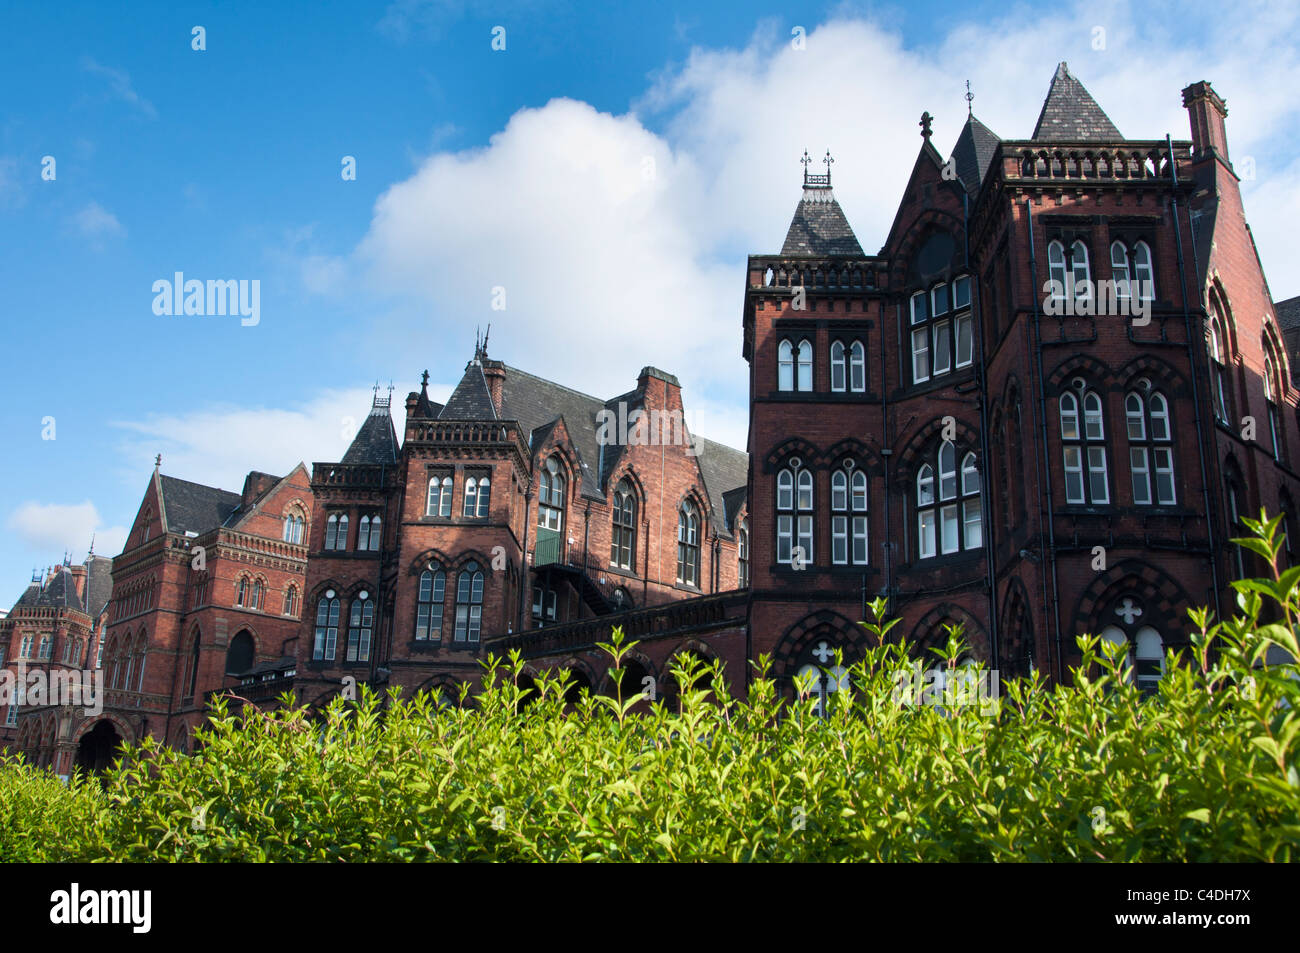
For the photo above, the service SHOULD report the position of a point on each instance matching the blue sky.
(524, 169)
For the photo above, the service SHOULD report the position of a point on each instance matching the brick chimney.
(255, 484)
(494, 372)
(1207, 111)
(79, 580)
(661, 389)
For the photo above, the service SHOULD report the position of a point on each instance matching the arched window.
(240, 653)
(622, 550)
(805, 366)
(439, 503)
(369, 533)
(142, 648)
(1119, 269)
(1150, 662)
(688, 545)
(428, 618)
(848, 516)
(1056, 269)
(1150, 438)
(291, 601)
(361, 620)
(550, 497)
(484, 496)
(1143, 272)
(1218, 361)
(785, 516)
(1084, 449)
(336, 531)
(742, 555)
(820, 678)
(839, 367)
(242, 598)
(257, 595)
(857, 367)
(951, 519)
(471, 497)
(469, 603)
(293, 523)
(1079, 270)
(327, 628)
(785, 366)
(1235, 528)
(943, 337)
(1271, 391)
(194, 663)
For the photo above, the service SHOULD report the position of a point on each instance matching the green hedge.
(1204, 769)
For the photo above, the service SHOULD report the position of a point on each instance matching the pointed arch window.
(742, 555)
(785, 366)
(242, 598)
(257, 595)
(327, 628)
(1218, 362)
(622, 550)
(428, 617)
(361, 623)
(369, 533)
(291, 601)
(440, 490)
(469, 603)
(1149, 665)
(819, 680)
(857, 367)
(1271, 390)
(839, 367)
(848, 516)
(1143, 272)
(1056, 269)
(1084, 449)
(688, 545)
(848, 367)
(484, 497)
(949, 513)
(1119, 268)
(293, 524)
(805, 365)
(336, 531)
(550, 497)
(1151, 453)
(1079, 270)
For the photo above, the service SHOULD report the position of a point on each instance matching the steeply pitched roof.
(1071, 114)
(536, 402)
(819, 227)
(376, 440)
(973, 153)
(723, 469)
(1288, 313)
(99, 583)
(471, 400)
(193, 507)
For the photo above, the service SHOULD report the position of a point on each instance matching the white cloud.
(120, 87)
(217, 444)
(643, 269)
(95, 222)
(49, 529)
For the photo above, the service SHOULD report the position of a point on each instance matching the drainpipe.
(1196, 376)
(977, 330)
(1047, 544)
(526, 584)
(886, 451)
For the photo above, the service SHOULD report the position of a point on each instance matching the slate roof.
(471, 400)
(99, 583)
(1071, 114)
(59, 593)
(973, 153)
(1288, 313)
(193, 507)
(819, 227)
(376, 440)
(539, 405)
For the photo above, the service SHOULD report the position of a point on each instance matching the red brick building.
(1037, 411)
(518, 508)
(206, 595)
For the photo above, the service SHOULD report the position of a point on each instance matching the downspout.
(379, 583)
(886, 451)
(526, 583)
(1046, 544)
(1196, 376)
(977, 329)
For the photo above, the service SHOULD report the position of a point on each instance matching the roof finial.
(970, 97)
(926, 119)
(92, 545)
(828, 162)
(486, 332)
(424, 380)
(157, 461)
(805, 162)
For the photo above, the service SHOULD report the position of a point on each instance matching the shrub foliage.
(1203, 769)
